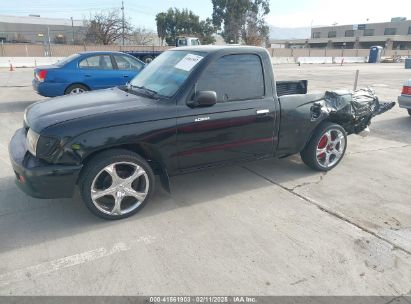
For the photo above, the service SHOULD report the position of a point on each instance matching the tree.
(141, 36)
(106, 27)
(175, 22)
(241, 19)
(161, 21)
(207, 30)
(256, 31)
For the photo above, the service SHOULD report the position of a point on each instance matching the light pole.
(311, 28)
(41, 35)
(48, 38)
(72, 28)
(122, 13)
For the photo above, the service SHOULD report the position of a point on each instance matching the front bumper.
(404, 102)
(38, 178)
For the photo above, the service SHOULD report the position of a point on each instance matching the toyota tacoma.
(191, 108)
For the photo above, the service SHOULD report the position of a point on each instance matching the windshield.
(66, 60)
(167, 72)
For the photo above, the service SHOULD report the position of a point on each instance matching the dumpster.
(375, 54)
(408, 63)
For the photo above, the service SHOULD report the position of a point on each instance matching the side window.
(182, 42)
(127, 63)
(234, 77)
(101, 62)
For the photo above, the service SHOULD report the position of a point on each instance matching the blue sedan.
(84, 72)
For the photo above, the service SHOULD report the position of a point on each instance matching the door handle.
(125, 76)
(262, 112)
(87, 75)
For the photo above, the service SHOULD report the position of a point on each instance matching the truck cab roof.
(221, 49)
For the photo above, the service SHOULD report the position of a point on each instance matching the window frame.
(125, 56)
(351, 32)
(263, 71)
(314, 34)
(113, 63)
(332, 34)
(387, 29)
(370, 30)
(409, 30)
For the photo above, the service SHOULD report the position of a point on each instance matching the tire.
(133, 181)
(148, 59)
(76, 89)
(409, 111)
(326, 148)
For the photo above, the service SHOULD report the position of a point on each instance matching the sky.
(290, 13)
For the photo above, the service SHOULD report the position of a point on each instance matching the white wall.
(27, 62)
(317, 60)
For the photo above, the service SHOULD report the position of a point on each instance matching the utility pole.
(122, 12)
(48, 35)
(72, 28)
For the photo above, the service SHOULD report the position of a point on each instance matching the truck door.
(240, 126)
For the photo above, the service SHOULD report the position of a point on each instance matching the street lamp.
(72, 28)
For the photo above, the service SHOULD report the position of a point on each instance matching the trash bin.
(375, 54)
(408, 63)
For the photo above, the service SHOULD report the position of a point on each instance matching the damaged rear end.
(352, 110)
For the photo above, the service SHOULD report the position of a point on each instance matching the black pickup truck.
(191, 108)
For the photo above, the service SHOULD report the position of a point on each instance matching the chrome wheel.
(77, 91)
(330, 148)
(120, 188)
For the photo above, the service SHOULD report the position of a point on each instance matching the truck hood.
(43, 114)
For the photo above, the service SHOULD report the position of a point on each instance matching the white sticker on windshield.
(188, 62)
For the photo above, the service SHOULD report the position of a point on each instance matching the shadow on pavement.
(25, 221)
(14, 106)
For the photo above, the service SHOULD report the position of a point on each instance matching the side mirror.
(204, 99)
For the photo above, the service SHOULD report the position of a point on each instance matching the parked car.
(404, 100)
(191, 108)
(85, 72)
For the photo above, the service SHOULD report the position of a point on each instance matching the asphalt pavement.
(270, 227)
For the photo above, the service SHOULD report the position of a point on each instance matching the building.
(35, 29)
(394, 35)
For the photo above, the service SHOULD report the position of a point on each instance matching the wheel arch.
(145, 151)
(77, 83)
(312, 132)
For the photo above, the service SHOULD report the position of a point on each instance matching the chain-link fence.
(59, 50)
(311, 52)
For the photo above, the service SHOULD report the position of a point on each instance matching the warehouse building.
(394, 35)
(35, 29)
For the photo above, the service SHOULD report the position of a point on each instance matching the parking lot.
(271, 227)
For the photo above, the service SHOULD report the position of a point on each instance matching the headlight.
(32, 140)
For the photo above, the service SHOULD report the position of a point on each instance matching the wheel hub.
(120, 188)
(330, 148)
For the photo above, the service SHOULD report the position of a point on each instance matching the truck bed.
(291, 87)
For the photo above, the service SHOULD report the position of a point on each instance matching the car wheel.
(116, 184)
(326, 148)
(409, 111)
(148, 59)
(76, 89)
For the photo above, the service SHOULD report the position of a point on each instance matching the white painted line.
(69, 261)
